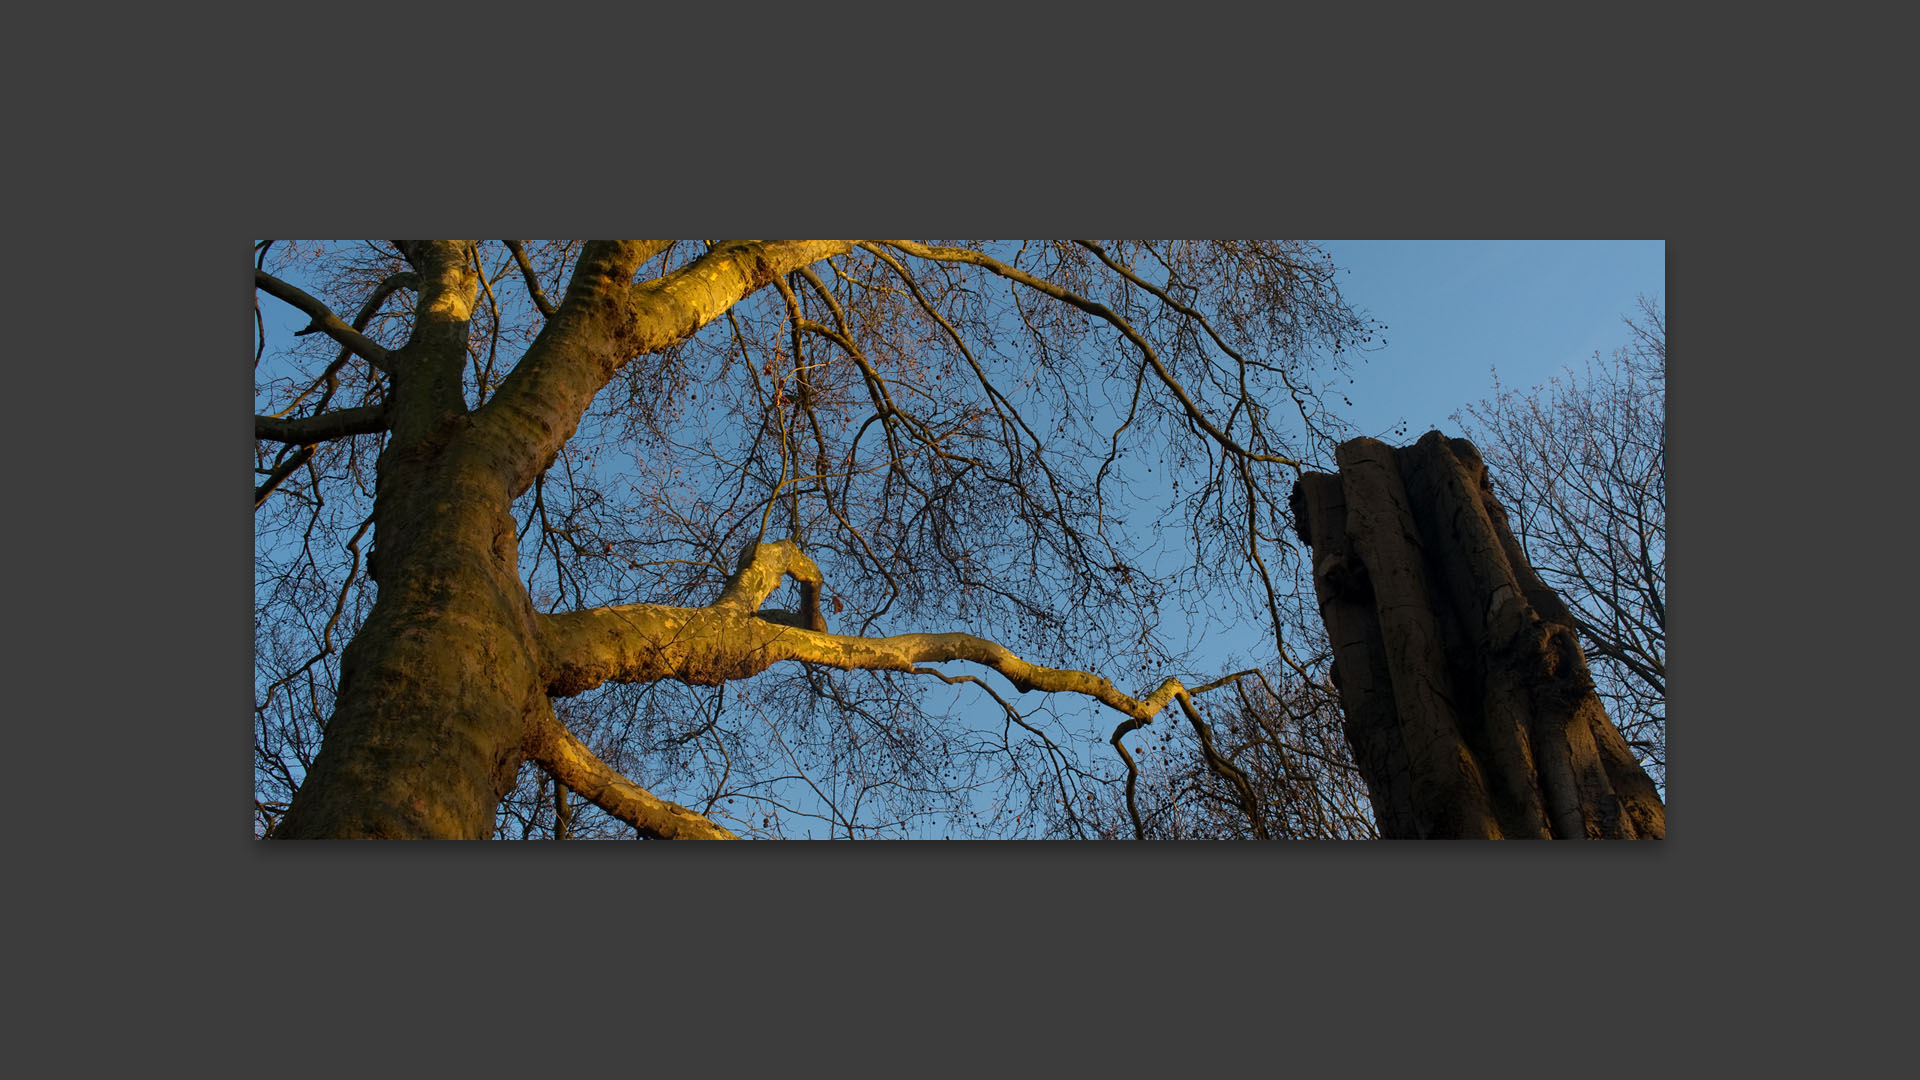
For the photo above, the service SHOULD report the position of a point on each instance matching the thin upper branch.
(1187, 404)
(533, 280)
(285, 469)
(1226, 770)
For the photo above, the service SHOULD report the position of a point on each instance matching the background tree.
(1255, 762)
(524, 509)
(1580, 464)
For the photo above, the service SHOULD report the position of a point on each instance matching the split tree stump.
(1468, 702)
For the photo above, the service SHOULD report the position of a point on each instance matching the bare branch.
(338, 424)
(533, 280)
(285, 469)
(330, 378)
(606, 320)
(944, 254)
(1224, 768)
(324, 320)
(728, 640)
(571, 763)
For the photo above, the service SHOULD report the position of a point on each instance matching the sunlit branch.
(570, 761)
(605, 321)
(733, 639)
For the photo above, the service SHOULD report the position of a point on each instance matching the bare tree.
(1262, 761)
(699, 531)
(1580, 463)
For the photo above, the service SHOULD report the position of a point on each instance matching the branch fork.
(734, 638)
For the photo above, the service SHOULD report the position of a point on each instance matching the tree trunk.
(440, 687)
(1468, 702)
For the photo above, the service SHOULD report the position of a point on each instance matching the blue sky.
(1455, 309)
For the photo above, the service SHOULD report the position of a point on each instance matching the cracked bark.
(1468, 704)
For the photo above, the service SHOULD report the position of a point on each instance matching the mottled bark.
(578, 768)
(448, 687)
(439, 686)
(444, 691)
(733, 639)
(1468, 703)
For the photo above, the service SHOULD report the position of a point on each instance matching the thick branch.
(729, 640)
(330, 378)
(323, 319)
(712, 645)
(760, 569)
(569, 760)
(606, 320)
(338, 424)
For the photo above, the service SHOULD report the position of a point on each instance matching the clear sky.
(1455, 309)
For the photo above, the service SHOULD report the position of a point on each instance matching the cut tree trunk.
(1468, 702)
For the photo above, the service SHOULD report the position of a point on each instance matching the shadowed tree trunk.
(1468, 702)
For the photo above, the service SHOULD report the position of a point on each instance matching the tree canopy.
(787, 538)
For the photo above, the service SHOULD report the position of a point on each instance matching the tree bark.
(444, 691)
(1469, 706)
(439, 688)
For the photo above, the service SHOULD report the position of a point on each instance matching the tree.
(1581, 463)
(510, 544)
(1267, 763)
